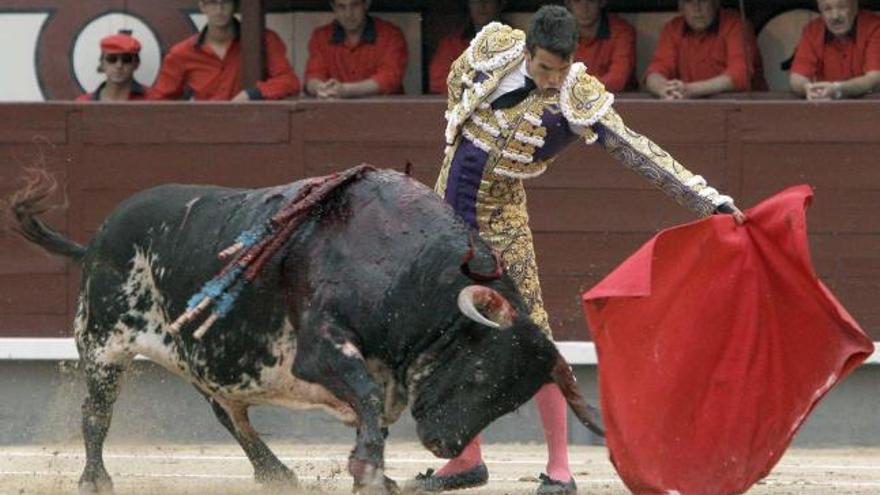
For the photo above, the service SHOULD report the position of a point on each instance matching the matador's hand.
(731, 209)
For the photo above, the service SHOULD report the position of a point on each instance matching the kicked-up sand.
(513, 469)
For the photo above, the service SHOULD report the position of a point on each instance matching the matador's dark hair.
(554, 29)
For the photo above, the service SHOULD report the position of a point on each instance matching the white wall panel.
(19, 33)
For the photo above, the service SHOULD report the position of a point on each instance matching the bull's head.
(497, 360)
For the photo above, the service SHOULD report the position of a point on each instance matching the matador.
(515, 102)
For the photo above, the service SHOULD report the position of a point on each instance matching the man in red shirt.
(607, 44)
(705, 51)
(120, 57)
(480, 12)
(207, 66)
(839, 54)
(355, 55)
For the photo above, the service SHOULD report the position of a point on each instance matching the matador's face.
(547, 69)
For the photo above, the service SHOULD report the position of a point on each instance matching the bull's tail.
(23, 207)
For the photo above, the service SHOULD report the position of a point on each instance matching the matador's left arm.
(588, 109)
(652, 162)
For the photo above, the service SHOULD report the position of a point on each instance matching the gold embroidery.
(459, 69)
(512, 168)
(495, 51)
(443, 178)
(532, 130)
(520, 147)
(506, 228)
(583, 98)
(643, 156)
(501, 209)
(505, 164)
(495, 45)
(503, 218)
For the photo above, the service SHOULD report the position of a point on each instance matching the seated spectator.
(120, 57)
(705, 51)
(480, 13)
(839, 54)
(607, 44)
(207, 66)
(356, 55)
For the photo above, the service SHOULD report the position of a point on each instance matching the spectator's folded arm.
(171, 81)
(392, 68)
(282, 81)
(623, 59)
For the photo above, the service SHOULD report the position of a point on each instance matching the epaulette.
(495, 46)
(494, 52)
(583, 98)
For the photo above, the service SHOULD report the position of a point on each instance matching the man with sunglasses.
(120, 57)
(207, 65)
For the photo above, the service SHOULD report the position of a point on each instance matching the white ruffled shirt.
(517, 79)
(511, 82)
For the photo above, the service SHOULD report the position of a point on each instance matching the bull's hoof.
(98, 483)
(277, 478)
(386, 487)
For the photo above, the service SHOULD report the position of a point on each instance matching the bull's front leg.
(326, 355)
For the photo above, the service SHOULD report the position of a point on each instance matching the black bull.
(366, 307)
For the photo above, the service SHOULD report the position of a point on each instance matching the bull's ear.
(486, 306)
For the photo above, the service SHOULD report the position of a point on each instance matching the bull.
(377, 297)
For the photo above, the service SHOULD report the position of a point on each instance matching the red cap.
(120, 43)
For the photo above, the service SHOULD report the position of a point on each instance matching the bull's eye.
(480, 376)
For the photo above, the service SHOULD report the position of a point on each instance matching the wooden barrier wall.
(588, 212)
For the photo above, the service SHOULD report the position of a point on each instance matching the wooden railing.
(588, 212)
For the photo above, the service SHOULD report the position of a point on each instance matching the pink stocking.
(553, 410)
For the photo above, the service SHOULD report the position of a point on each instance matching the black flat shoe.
(550, 486)
(432, 483)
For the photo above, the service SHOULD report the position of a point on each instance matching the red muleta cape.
(715, 342)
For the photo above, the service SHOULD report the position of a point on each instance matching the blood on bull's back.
(346, 292)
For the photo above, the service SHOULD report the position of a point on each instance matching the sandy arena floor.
(223, 469)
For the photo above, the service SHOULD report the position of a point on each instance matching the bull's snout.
(444, 448)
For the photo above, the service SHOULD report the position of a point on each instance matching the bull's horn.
(490, 301)
(588, 415)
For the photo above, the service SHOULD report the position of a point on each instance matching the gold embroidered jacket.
(514, 138)
(489, 152)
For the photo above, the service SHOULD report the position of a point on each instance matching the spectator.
(207, 66)
(480, 12)
(607, 44)
(355, 55)
(120, 57)
(705, 51)
(838, 55)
